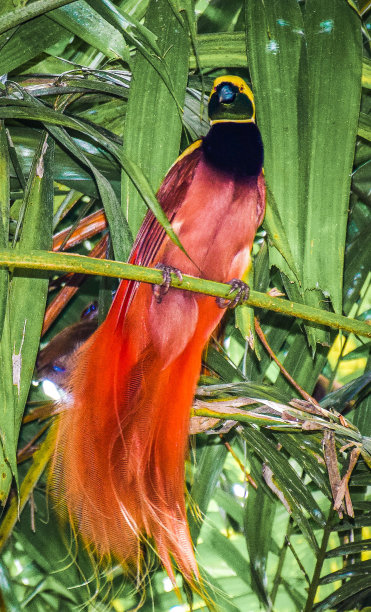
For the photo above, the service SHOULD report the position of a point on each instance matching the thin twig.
(29, 449)
(281, 561)
(288, 376)
(248, 477)
(319, 563)
(296, 557)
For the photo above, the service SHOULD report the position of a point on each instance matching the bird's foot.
(241, 296)
(159, 290)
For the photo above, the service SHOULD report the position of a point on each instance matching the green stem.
(20, 15)
(319, 563)
(41, 260)
(281, 561)
(297, 559)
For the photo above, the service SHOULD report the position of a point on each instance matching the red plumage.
(122, 438)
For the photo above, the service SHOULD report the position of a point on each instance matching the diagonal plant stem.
(42, 260)
(281, 561)
(297, 558)
(247, 475)
(20, 15)
(286, 374)
(319, 563)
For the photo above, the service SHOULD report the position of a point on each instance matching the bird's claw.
(159, 290)
(243, 292)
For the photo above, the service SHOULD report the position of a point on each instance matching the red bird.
(122, 437)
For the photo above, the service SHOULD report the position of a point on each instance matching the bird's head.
(231, 100)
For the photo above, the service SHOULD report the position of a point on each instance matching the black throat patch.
(234, 148)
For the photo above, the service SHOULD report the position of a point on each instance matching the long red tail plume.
(122, 437)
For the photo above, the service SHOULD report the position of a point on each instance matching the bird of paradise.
(122, 436)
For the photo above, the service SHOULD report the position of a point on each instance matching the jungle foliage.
(97, 99)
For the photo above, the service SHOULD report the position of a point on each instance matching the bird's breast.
(216, 224)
